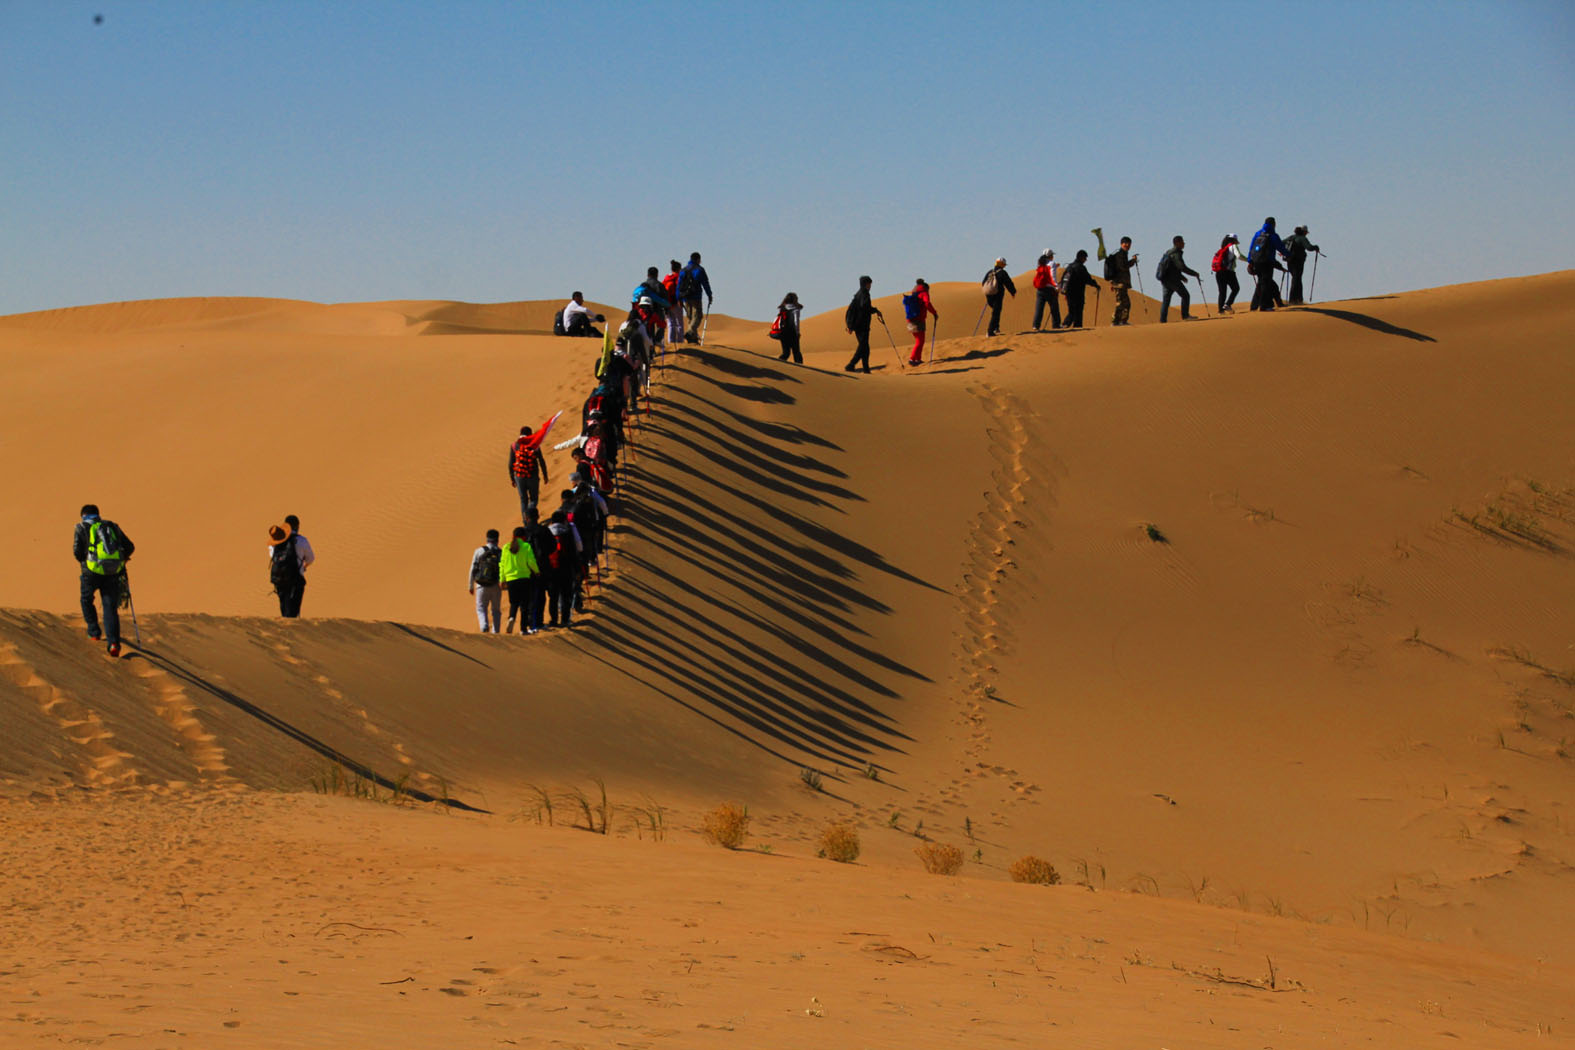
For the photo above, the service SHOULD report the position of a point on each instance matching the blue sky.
(498, 151)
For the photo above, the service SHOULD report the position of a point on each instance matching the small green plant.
(1152, 532)
(968, 828)
(895, 818)
(978, 856)
(840, 842)
(1034, 870)
(810, 777)
(871, 773)
(727, 825)
(655, 819)
(940, 858)
(543, 810)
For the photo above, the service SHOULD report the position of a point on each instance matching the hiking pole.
(1202, 299)
(125, 579)
(1314, 286)
(705, 322)
(893, 342)
(1096, 306)
(977, 323)
(937, 328)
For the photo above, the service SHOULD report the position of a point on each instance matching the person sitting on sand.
(577, 318)
(102, 549)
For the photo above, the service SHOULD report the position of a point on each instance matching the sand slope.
(1264, 613)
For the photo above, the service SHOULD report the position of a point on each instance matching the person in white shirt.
(486, 584)
(289, 555)
(577, 318)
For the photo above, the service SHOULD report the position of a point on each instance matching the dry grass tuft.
(840, 842)
(727, 825)
(1034, 870)
(940, 858)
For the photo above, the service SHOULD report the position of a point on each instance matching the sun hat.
(277, 535)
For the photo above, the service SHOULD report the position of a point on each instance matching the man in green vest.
(102, 549)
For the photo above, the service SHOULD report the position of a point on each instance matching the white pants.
(489, 600)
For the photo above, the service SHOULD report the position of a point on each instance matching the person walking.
(1296, 251)
(563, 567)
(1075, 280)
(102, 549)
(486, 583)
(516, 568)
(289, 556)
(1118, 271)
(1262, 262)
(915, 306)
(1046, 292)
(789, 310)
(692, 283)
(527, 469)
(857, 320)
(541, 544)
(675, 309)
(1224, 267)
(997, 283)
(1173, 273)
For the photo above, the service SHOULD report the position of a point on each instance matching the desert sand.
(1258, 628)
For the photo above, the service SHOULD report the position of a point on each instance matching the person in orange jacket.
(1046, 292)
(916, 304)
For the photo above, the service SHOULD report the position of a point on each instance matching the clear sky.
(371, 149)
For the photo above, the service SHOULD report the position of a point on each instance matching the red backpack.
(776, 326)
(1219, 259)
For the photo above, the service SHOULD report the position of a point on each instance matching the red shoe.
(114, 650)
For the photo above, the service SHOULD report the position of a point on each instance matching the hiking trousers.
(917, 357)
(1296, 282)
(560, 597)
(862, 352)
(693, 316)
(529, 489)
(1226, 281)
(790, 346)
(1178, 289)
(1123, 314)
(1047, 297)
(109, 586)
(290, 595)
(1074, 307)
(1267, 293)
(489, 607)
(995, 301)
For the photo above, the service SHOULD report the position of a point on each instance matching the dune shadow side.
(1368, 321)
(734, 598)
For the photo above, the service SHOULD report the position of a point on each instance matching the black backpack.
(1110, 269)
(1167, 265)
(689, 282)
(284, 567)
(487, 567)
(557, 324)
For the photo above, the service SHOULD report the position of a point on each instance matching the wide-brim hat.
(277, 534)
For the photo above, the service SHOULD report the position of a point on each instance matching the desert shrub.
(840, 842)
(939, 858)
(727, 825)
(1034, 870)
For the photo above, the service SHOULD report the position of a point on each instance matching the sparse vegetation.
(871, 773)
(1034, 870)
(596, 813)
(940, 858)
(810, 777)
(727, 825)
(654, 820)
(895, 818)
(334, 780)
(1152, 532)
(840, 842)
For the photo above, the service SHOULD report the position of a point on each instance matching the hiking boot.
(114, 650)
(94, 636)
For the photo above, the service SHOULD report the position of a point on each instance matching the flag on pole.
(537, 436)
(607, 350)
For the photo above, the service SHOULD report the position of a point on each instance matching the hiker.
(591, 470)
(857, 322)
(486, 583)
(541, 542)
(517, 567)
(289, 554)
(915, 305)
(637, 341)
(1224, 267)
(527, 469)
(675, 309)
(1262, 264)
(563, 566)
(1074, 279)
(653, 315)
(1046, 292)
(786, 327)
(1118, 271)
(1296, 251)
(651, 288)
(996, 284)
(1172, 274)
(692, 282)
(102, 548)
(576, 318)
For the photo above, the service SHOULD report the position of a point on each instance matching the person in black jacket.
(1173, 271)
(857, 319)
(102, 548)
(1296, 251)
(1118, 271)
(996, 284)
(1074, 279)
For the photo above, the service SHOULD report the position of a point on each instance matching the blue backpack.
(913, 307)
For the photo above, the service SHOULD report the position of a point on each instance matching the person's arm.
(541, 461)
(79, 543)
(475, 567)
(574, 530)
(576, 441)
(705, 282)
(511, 467)
(1187, 269)
(601, 504)
(303, 551)
(532, 566)
(1010, 287)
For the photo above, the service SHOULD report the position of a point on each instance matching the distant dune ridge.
(1267, 617)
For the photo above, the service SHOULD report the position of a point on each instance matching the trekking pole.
(1096, 306)
(937, 328)
(132, 607)
(977, 323)
(1203, 299)
(893, 342)
(1314, 286)
(705, 322)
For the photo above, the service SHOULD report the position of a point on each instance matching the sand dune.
(1267, 614)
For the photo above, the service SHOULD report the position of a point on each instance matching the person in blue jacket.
(1262, 263)
(692, 283)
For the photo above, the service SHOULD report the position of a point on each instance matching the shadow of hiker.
(1368, 321)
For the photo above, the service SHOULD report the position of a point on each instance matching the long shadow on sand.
(1368, 321)
(734, 596)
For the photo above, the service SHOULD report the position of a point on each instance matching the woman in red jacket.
(1046, 292)
(921, 291)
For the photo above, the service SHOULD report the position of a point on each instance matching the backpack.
(596, 404)
(913, 307)
(524, 459)
(1110, 269)
(1166, 265)
(561, 551)
(778, 324)
(487, 567)
(284, 567)
(1219, 259)
(557, 324)
(991, 283)
(105, 548)
(593, 447)
(689, 282)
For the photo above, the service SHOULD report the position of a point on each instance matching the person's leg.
(1186, 301)
(1296, 285)
(109, 588)
(536, 600)
(1235, 290)
(1055, 309)
(90, 612)
(798, 356)
(1220, 285)
(1039, 308)
(917, 356)
(481, 608)
(1123, 304)
(1164, 303)
(995, 302)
